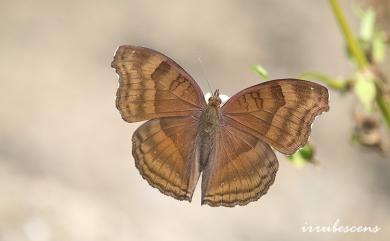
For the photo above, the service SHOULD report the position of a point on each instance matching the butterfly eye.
(209, 99)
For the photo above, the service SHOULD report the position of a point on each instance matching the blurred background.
(66, 170)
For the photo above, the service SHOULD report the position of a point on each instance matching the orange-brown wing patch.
(165, 154)
(280, 111)
(240, 169)
(151, 85)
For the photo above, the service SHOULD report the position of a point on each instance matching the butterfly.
(185, 137)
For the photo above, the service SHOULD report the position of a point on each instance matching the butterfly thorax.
(211, 116)
(210, 119)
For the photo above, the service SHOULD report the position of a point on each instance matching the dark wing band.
(151, 85)
(280, 111)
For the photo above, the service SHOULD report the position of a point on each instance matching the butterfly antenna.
(204, 75)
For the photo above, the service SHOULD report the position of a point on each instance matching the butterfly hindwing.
(280, 112)
(151, 85)
(165, 154)
(240, 169)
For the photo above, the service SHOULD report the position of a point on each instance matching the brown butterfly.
(230, 144)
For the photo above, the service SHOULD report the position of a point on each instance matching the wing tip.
(119, 50)
(306, 135)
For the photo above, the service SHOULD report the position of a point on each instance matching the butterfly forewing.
(151, 85)
(280, 112)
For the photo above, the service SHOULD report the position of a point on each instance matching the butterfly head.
(214, 100)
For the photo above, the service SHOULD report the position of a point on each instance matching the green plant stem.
(358, 54)
(384, 107)
(352, 43)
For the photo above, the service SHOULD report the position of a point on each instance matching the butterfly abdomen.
(210, 120)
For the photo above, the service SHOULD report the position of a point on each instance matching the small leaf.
(260, 71)
(303, 156)
(357, 9)
(379, 47)
(365, 90)
(367, 25)
(329, 81)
